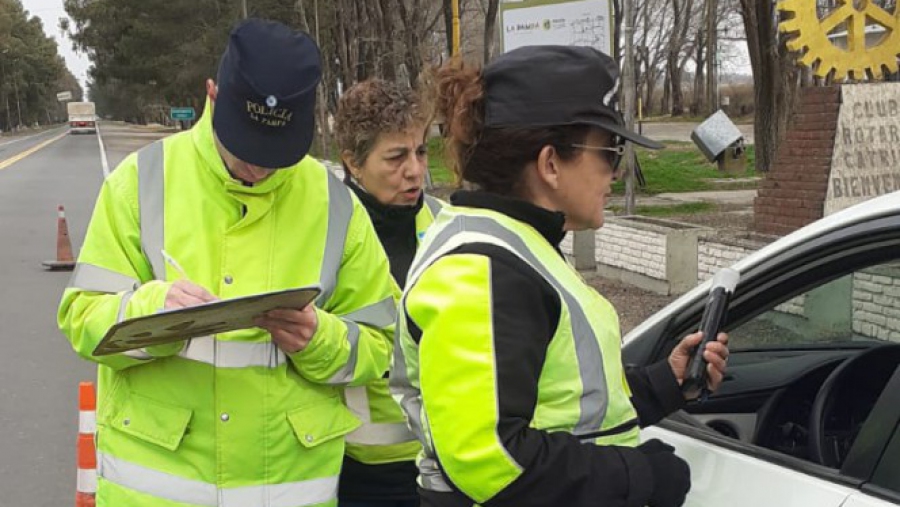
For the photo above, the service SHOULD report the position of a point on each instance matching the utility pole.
(244, 6)
(323, 98)
(455, 6)
(18, 103)
(3, 87)
(712, 50)
(628, 100)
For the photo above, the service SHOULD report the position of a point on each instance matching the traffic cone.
(86, 485)
(64, 259)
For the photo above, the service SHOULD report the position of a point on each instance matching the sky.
(50, 11)
(735, 58)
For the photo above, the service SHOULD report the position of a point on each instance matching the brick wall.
(876, 303)
(793, 193)
(713, 256)
(637, 250)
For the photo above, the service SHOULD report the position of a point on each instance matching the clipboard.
(212, 318)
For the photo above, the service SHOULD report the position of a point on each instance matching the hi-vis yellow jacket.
(508, 366)
(384, 436)
(227, 420)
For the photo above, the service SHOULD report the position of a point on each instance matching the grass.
(681, 167)
(440, 174)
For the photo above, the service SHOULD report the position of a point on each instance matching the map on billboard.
(568, 23)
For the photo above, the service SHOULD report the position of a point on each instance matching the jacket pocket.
(321, 422)
(152, 421)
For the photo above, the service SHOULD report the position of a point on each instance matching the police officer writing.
(253, 417)
(381, 134)
(507, 363)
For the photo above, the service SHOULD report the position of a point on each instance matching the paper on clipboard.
(202, 320)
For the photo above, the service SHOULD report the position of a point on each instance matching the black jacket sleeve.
(654, 392)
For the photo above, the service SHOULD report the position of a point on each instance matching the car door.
(722, 476)
(883, 487)
(785, 313)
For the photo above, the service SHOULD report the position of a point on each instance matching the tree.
(682, 13)
(490, 25)
(775, 78)
(30, 69)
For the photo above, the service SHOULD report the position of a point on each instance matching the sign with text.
(63, 96)
(866, 158)
(562, 22)
(182, 113)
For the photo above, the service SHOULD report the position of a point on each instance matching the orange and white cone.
(86, 485)
(65, 261)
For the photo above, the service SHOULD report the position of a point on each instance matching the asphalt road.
(39, 372)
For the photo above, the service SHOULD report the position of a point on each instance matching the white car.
(809, 412)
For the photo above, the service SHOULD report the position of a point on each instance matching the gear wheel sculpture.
(820, 53)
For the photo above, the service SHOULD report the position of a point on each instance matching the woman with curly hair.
(381, 129)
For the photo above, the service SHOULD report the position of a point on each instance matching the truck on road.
(82, 117)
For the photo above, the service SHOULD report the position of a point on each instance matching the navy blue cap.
(264, 113)
(544, 86)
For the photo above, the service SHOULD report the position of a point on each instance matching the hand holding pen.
(183, 292)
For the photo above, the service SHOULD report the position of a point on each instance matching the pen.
(172, 262)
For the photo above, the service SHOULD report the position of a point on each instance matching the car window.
(860, 306)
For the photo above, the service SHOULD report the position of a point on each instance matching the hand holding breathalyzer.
(693, 356)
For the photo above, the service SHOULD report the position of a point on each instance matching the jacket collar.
(548, 223)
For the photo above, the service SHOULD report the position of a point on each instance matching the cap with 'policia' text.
(264, 112)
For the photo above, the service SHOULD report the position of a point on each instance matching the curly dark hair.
(371, 108)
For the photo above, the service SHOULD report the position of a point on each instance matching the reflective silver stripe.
(431, 477)
(595, 398)
(340, 210)
(357, 399)
(232, 354)
(154, 482)
(380, 314)
(434, 205)
(345, 374)
(93, 278)
(373, 433)
(123, 305)
(151, 189)
(138, 354)
(403, 391)
(381, 434)
(179, 489)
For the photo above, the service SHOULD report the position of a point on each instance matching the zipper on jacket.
(615, 430)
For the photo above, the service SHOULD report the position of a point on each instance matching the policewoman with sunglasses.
(507, 364)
